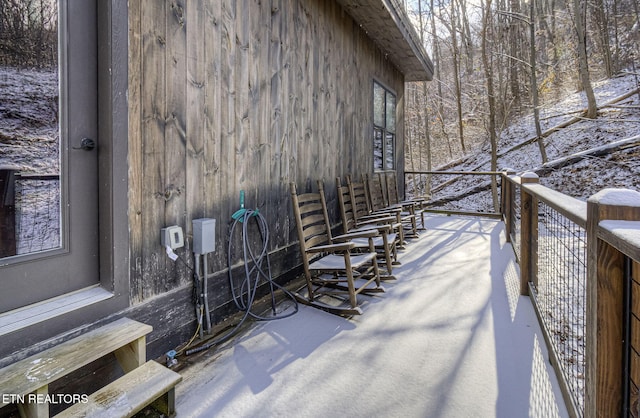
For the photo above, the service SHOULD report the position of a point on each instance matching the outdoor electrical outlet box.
(172, 236)
(204, 235)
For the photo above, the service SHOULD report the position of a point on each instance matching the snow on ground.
(619, 169)
(29, 142)
(450, 338)
(29, 119)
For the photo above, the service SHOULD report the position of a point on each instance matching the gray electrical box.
(204, 235)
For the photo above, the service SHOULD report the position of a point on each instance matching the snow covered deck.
(450, 338)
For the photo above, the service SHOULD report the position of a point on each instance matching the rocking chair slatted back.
(312, 225)
(346, 208)
(376, 196)
(359, 199)
(392, 187)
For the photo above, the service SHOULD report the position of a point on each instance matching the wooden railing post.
(605, 295)
(7, 212)
(507, 202)
(528, 234)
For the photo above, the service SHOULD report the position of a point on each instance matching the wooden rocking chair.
(362, 213)
(378, 203)
(385, 244)
(413, 206)
(329, 266)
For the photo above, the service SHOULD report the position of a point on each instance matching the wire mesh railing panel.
(38, 220)
(561, 294)
(515, 216)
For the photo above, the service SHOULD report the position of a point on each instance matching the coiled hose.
(256, 267)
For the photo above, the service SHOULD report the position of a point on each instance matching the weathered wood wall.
(230, 95)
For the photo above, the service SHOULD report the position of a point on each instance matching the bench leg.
(166, 404)
(31, 408)
(132, 355)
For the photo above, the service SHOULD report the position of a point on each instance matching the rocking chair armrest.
(376, 218)
(417, 201)
(405, 206)
(343, 246)
(369, 233)
(387, 211)
(381, 228)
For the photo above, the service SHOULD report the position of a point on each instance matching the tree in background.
(28, 33)
(487, 62)
(559, 39)
(580, 19)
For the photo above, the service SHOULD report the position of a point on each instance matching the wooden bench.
(26, 382)
(150, 383)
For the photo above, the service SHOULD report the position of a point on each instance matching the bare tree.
(455, 57)
(534, 81)
(579, 20)
(425, 109)
(602, 35)
(437, 61)
(28, 33)
(488, 72)
(515, 50)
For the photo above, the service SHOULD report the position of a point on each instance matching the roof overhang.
(386, 22)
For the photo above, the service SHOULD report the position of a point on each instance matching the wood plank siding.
(231, 95)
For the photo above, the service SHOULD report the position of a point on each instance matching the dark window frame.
(384, 128)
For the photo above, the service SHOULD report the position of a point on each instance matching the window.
(384, 128)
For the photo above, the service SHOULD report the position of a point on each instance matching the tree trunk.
(534, 81)
(425, 108)
(600, 16)
(583, 65)
(488, 71)
(467, 38)
(456, 74)
(514, 51)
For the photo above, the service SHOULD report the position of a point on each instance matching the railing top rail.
(514, 178)
(570, 207)
(623, 235)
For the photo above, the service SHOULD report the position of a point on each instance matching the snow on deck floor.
(450, 338)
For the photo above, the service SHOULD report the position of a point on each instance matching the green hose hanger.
(239, 215)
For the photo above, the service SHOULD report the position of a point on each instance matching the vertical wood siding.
(230, 95)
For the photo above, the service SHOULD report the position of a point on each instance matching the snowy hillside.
(615, 122)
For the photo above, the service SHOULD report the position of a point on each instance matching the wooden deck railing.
(580, 265)
(30, 212)
(472, 195)
(548, 230)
